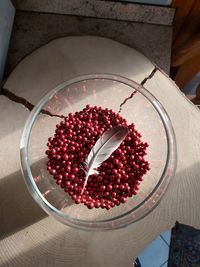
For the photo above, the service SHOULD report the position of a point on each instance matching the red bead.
(90, 205)
(118, 181)
(119, 176)
(106, 194)
(65, 157)
(116, 201)
(109, 187)
(72, 176)
(114, 171)
(78, 201)
(102, 187)
(99, 179)
(103, 205)
(75, 170)
(52, 171)
(114, 194)
(123, 199)
(71, 156)
(112, 204)
(53, 151)
(121, 187)
(116, 186)
(68, 168)
(97, 204)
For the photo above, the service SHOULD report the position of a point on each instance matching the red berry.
(97, 204)
(109, 187)
(90, 205)
(102, 187)
(119, 176)
(123, 199)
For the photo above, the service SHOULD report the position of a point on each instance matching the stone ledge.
(32, 30)
(102, 9)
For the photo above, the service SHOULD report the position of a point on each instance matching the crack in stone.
(150, 75)
(125, 100)
(30, 106)
(134, 92)
(26, 103)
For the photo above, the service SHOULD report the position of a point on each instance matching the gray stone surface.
(101, 9)
(32, 30)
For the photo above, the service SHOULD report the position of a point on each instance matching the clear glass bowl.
(116, 93)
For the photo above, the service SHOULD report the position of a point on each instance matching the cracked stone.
(150, 76)
(134, 92)
(26, 103)
(70, 57)
(30, 106)
(125, 100)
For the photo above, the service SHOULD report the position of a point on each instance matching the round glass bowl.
(137, 106)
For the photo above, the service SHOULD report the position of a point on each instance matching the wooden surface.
(28, 236)
(186, 42)
(186, 23)
(183, 12)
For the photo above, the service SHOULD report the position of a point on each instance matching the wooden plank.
(182, 11)
(190, 25)
(188, 50)
(187, 71)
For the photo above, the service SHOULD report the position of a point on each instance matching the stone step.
(102, 9)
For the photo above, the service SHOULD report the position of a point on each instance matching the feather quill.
(104, 147)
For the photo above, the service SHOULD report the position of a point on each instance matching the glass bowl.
(137, 106)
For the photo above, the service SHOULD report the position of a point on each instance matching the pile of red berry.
(119, 176)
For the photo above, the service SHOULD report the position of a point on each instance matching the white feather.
(104, 147)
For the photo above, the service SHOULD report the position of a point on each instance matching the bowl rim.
(120, 220)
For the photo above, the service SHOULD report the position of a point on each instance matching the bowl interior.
(113, 93)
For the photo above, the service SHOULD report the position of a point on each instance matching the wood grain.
(46, 242)
(186, 41)
(191, 22)
(187, 71)
(183, 9)
(189, 49)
